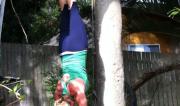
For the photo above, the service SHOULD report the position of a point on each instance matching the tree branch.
(19, 21)
(10, 104)
(149, 75)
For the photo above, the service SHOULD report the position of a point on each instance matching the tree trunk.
(109, 61)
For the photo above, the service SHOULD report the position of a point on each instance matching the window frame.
(129, 45)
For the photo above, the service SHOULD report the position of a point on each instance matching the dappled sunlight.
(135, 40)
(141, 37)
(167, 44)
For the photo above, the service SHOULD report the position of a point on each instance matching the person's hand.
(61, 103)
(64, 101)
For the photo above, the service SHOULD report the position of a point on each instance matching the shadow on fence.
(27, 62)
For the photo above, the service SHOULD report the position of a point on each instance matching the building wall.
(168, 44)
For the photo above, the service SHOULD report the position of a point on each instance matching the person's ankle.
(70, 3)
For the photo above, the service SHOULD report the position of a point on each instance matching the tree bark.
(151, 74)
(109, 63)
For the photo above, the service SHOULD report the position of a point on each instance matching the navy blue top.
(73, 36)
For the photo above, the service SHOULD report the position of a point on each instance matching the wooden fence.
(163, 90)
(28, 62)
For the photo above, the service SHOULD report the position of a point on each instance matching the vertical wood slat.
(27, 62)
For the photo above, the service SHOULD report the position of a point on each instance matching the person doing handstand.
(73, 45)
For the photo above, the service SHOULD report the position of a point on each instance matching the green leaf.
(5, 81)
(174, 13)
(15, 88)
(22, 97)
(11, 91)
(29, 81)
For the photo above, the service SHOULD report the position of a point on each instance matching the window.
(152, 1)
(144, 47)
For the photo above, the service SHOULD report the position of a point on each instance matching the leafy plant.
(45, 22)
(174, 12)
(85, 8)
(14, 90)
(50, 80)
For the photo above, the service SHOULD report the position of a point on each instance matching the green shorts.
(75, 66)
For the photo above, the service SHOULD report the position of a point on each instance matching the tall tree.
(109, 64)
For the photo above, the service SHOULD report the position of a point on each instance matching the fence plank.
(27, 62)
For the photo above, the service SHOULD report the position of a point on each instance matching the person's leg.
(76, 88)
(70, 3)
(58, 91)
(61, 95)
(61, 88)
(62, 3)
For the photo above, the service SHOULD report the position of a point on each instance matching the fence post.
(2, 5)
